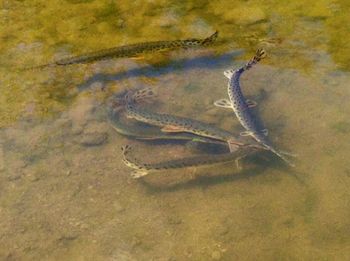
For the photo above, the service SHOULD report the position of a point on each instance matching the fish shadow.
(202, 62)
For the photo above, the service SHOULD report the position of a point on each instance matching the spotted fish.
(118, 121)
(171, 123)
(241, 106)
(133, 50)
(143, 169)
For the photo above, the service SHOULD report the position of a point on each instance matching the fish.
(241, 106)
(132, 50)
(147, 132)
(142, 169)
(173, 124)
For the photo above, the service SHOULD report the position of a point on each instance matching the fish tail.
(133, 97)
(126, 149)
(196, 42)
(144, 94)
(210, 39)
(140, 169)
(129, 102)
(128, 160)
(259, 55)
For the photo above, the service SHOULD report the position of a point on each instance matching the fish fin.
(126, 149)
(238, 163)
(251, 103)
(265, 132)
(229, 73)
(170, 128)
(232, 147)
(144, 94)
(223, 103)
(138, 174)
(246, 133)
(233, 144)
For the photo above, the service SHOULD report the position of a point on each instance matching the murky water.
(65, 193)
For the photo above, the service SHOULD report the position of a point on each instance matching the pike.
(132, 50)
(172, 124)
(241, 106)
(147, 132)
(143, 169)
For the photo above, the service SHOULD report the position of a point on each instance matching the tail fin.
(139, 169)
(210, 39)
(133, 97)
(259, 55)
(126, 149)
(144, 94)
(127, 159)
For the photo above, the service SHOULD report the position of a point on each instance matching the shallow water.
(65, 193)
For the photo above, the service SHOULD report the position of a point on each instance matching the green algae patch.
(338, 31)
(79, 1)
(342, 127)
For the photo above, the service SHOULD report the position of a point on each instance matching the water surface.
(65, 193)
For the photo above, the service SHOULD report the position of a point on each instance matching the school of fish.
(176, 124)
(173, 127)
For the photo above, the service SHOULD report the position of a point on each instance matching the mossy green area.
(342, 127)
(37, 32)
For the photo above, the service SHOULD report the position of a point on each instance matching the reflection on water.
(65, 193)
